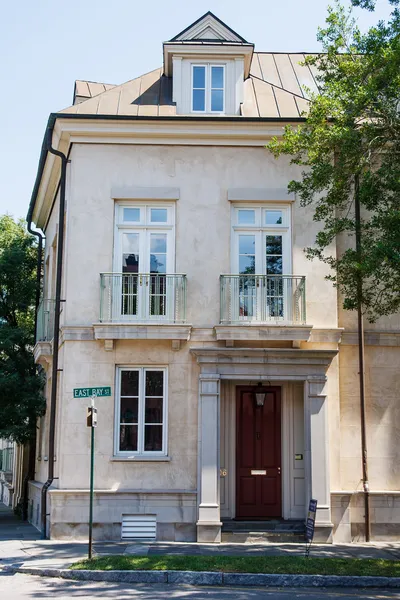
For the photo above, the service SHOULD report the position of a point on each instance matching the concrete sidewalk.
(51, 554)
(20, 545)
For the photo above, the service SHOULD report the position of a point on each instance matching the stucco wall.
(203, 229)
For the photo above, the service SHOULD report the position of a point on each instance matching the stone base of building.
(348, 516)
(209, 533)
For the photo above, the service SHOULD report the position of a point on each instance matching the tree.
(21, 399)
(349, 147)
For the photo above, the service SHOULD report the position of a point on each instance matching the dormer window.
(208, 88)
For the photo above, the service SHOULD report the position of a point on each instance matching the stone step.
(261, 537)
(275, 525)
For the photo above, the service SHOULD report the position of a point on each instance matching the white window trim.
(259, 227)
(207, 109)
(144, 224)
(117, 412)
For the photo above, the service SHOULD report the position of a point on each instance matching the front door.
(258, 454)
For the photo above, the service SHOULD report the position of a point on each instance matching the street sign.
(92, 391)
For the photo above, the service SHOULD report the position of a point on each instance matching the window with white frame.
(208, 88)
(261, 258)
(141, 411)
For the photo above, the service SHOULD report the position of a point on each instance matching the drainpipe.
(361, 358)
(32, 442)
(56, 336)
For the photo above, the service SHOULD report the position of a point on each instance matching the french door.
(143, 258)
(261, 259)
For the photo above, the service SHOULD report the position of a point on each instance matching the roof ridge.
(278, 87)
(98, 82)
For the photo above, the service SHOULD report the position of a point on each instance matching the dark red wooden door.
(258, 454)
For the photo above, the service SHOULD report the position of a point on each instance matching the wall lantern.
(259, 395)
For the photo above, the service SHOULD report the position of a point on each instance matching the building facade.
(185, 289)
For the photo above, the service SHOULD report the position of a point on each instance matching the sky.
(46, 44)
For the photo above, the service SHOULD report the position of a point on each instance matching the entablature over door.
(272, 364)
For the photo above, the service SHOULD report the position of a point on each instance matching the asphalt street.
(22, 587)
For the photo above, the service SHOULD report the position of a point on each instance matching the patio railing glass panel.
(263, 299)
(142, 297)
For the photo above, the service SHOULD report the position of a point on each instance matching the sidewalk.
(21, 545)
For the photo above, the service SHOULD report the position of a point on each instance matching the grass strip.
(288, 565)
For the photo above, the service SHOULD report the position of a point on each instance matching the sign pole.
(92, 426)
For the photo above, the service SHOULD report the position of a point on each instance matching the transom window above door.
(208, 88)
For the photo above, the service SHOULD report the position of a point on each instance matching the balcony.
(142, 306)
(44, 332)
(261, 307)
(45, 320)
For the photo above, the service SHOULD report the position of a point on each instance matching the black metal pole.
(361, 360)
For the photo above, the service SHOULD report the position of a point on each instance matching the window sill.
(140, 459)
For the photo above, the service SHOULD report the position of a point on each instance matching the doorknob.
(279, 470)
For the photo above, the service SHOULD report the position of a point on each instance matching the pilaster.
(209, 521)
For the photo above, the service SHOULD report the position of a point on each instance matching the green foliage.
(21, 399)
(352, 131)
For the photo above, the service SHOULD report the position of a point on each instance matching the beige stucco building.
(185, 289)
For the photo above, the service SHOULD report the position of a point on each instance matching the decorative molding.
(263, 332)
(73, 333)
(260, 195)
(329, 336)
(372, 338)
(145, 193)
(133, 331)
(271, 364)
(108, 345)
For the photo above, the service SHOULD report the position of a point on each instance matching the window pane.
(158, 263)
(129, 383)
(247, 264)
(274, 244)
(247, 244)
(273, 217)
(274, 265)
(217, 100)
(199, 77)
(153, 438)
(158, 242)
(130, 250)
(158, 215)
(154, 410)
(128, 438)
(131, 214)
(129, 410)
(246, 217)
(154, 383)
(217, 77)
(199, 100)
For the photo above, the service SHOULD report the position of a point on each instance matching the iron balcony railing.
(142, 297)
(7, 459)
(263, 299)
(45, 320)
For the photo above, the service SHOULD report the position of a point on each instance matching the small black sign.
(310, 525)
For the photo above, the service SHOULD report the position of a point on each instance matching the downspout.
(361, 359)
(32, 442)
(56, 336)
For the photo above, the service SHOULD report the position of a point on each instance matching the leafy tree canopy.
(352, 134)
(21, 400)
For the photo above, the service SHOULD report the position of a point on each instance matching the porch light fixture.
(259, 395)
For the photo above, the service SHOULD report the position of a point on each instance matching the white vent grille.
(138, 527)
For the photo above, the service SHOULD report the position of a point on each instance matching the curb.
(204, 578)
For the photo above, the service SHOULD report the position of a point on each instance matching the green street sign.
(92, 391)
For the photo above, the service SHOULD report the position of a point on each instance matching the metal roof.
(277, 88)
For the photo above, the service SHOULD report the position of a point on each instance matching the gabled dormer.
(208, 63)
